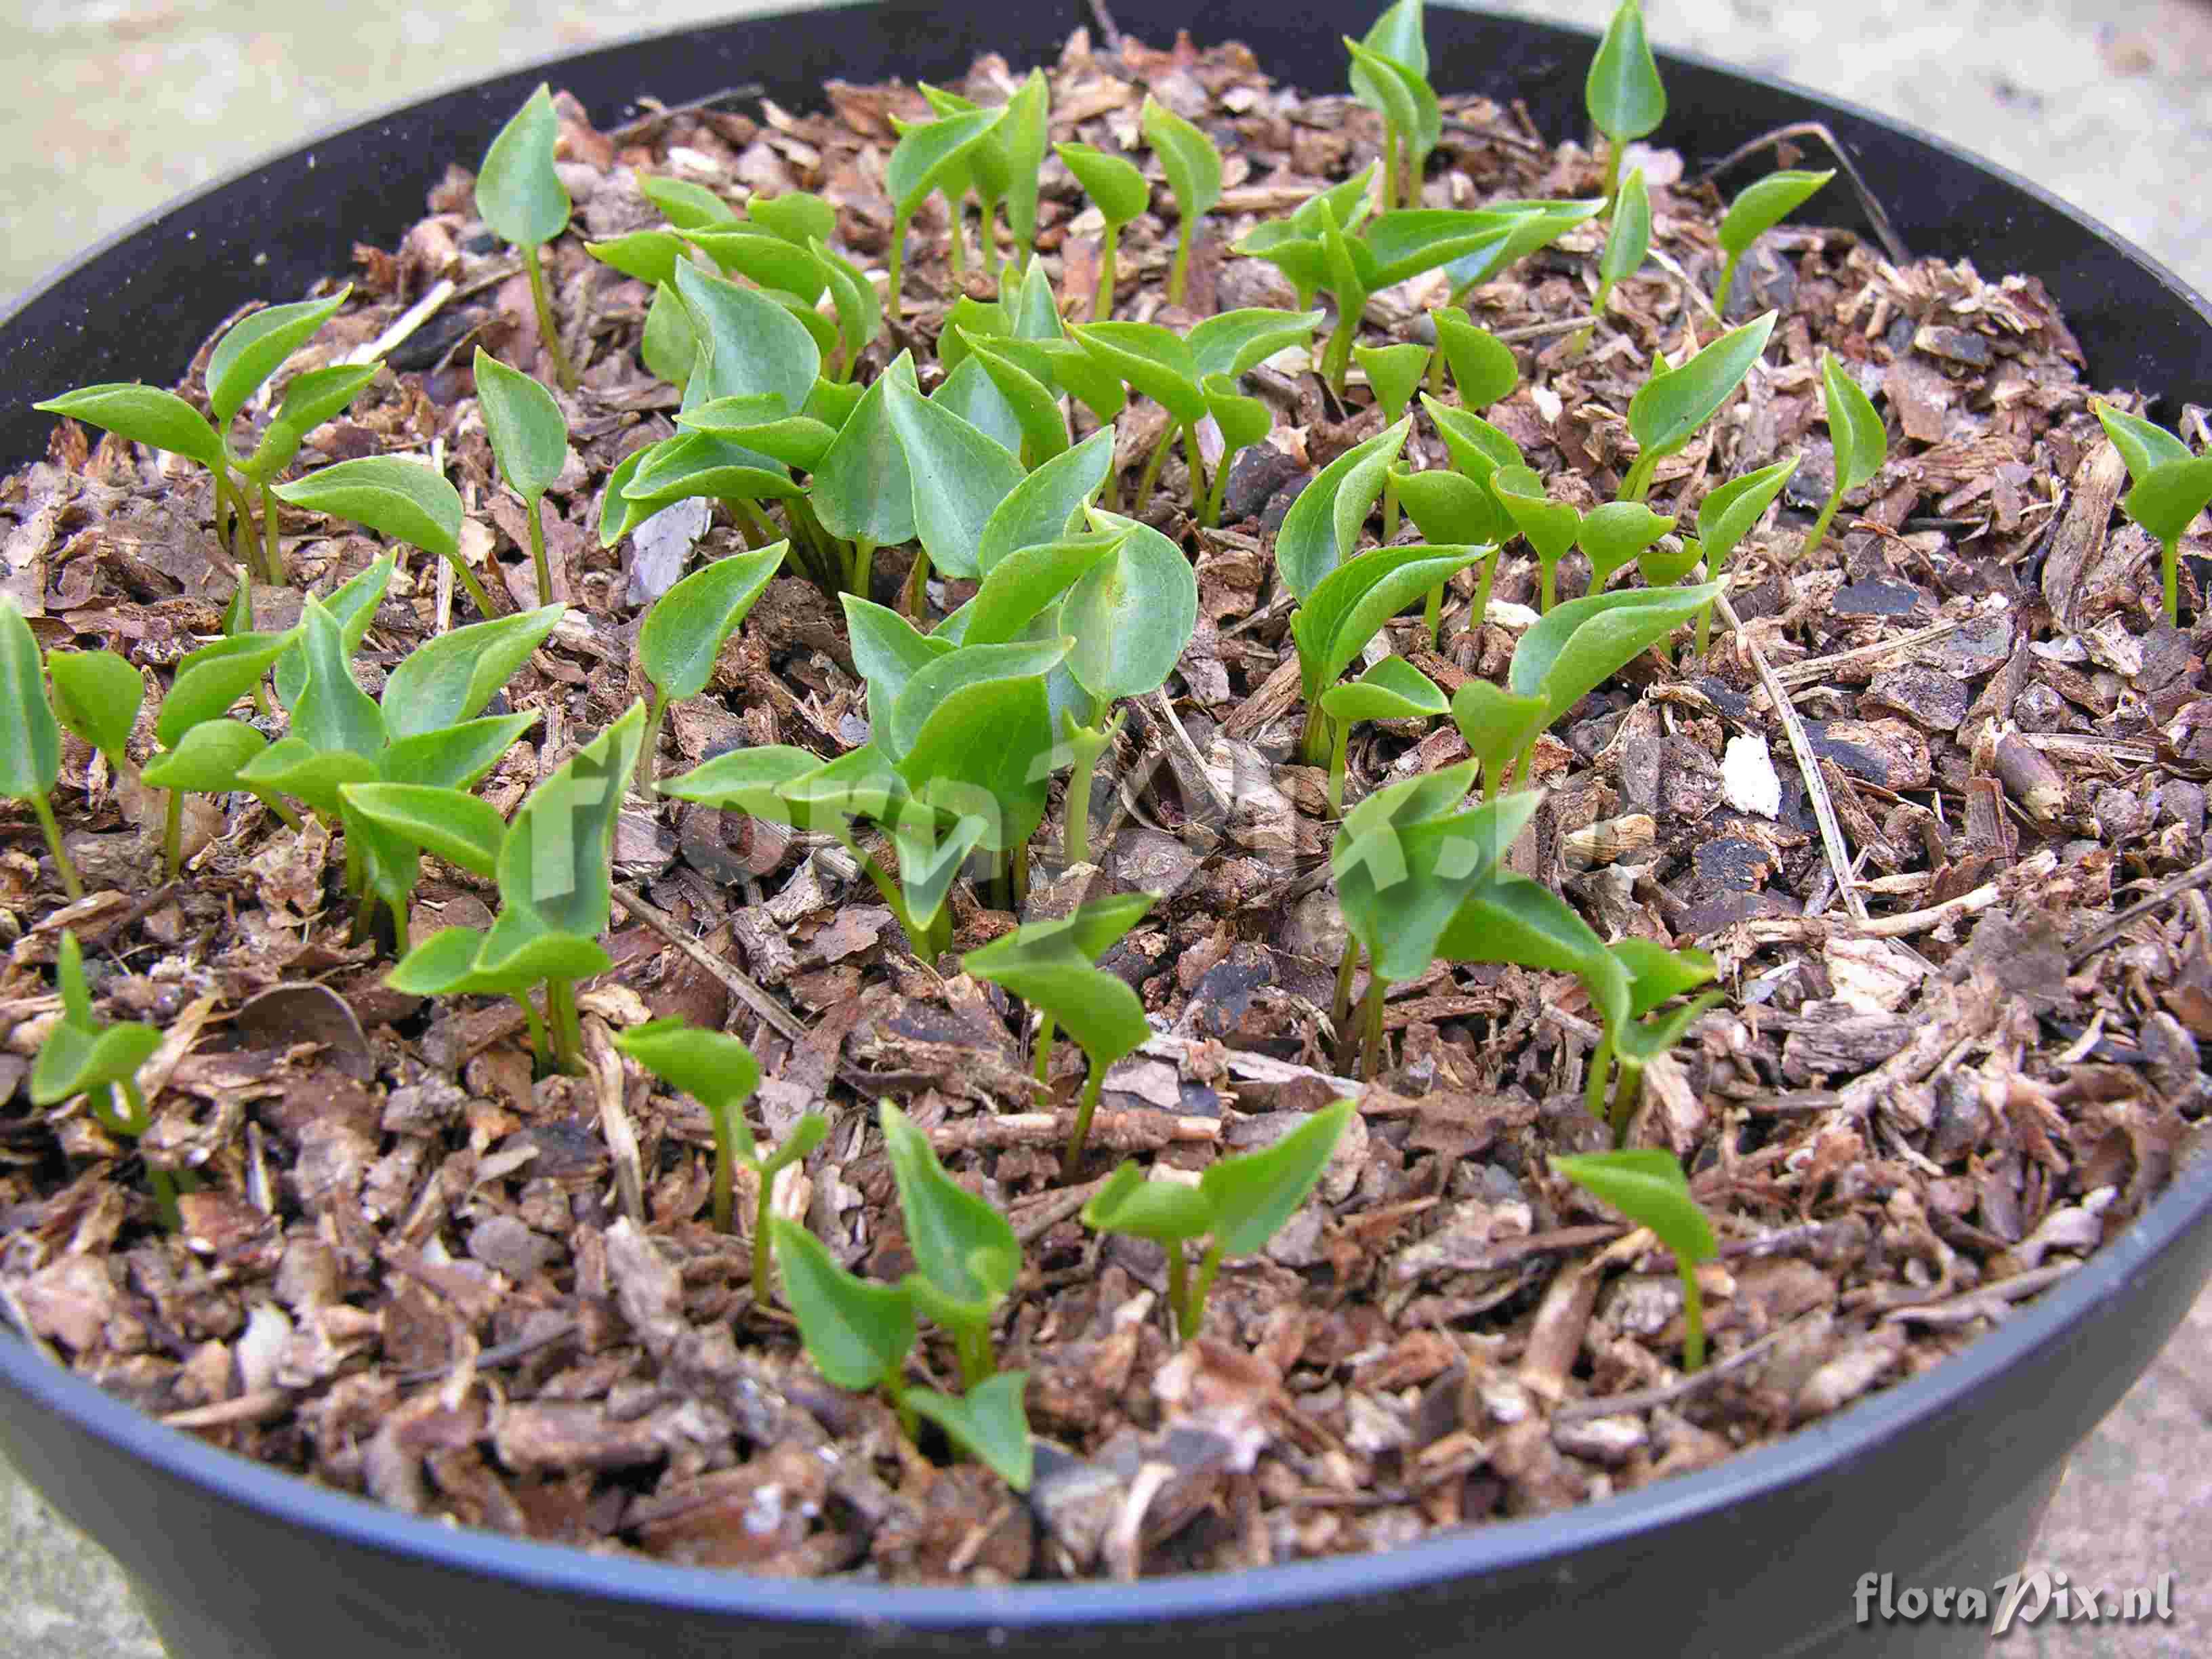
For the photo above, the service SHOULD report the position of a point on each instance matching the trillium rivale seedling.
(1669, 407)
(1193, 167)
(1334, 625)
(556, 897)
(31, 750)
(1393, 689)
(1763, 205)
(1549, 527)
(2170, 487)
(394, 496)
(1646, 1184)
(1117, 189)
(684, 634)
(1390, 75)
(97, 696)
(966, 1257)
(242, 361)
(1051, 965)
(529, 439)
(720, 1073)
(520, 196)
(1627, 242)
(1613, 534)
(1393, 372)
(1483, 367)
(1656, 975)
(920, 160)
(1856, 431)
(1404, 858)
(1238, 1206)
(858, 1333)
(1726, 516)
(81, 1057)
(1622, 92)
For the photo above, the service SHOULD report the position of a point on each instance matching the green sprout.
(2171, 487)
(682, 634)
(1764, 205)
(556, 896)
(1321, 530)
(1725, 517)
(1001, 169)
(1855, 429)
(1669, 407)
(1394, 689)
(1627, 242)
(1549, 527)
(1404, 858)
(247, 355)
(1193, 165)
(1345, 611)
(925, 156)
(1646, 1184)
(858, 1336)
(1390, 75)
(1623, 92)
(393, 496)
(31, 750)
(1393, 372)
(1238, 1206)
(97, 696)
(81, 1057)
(1051, 965)
(1482, 365)
(720, 1073)
(520, 196)
(1117, 189)
(1655, 975)
(1458, 506)
(529, 439)
(966, 1255)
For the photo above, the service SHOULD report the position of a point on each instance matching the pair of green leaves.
(1051, 965)
(1238, 1206)
(927, 157)
(1647, 1185)
(398, 496)
(1000, 169)
(1390, 75)
(1193, 167)
(2170, 487)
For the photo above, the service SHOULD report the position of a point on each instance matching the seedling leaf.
(857, 1333)
(684, 632)
(987, 1423)
(386, 494)
(255, 348)
(143, 415)
(1253, 1195)
(518, 191)
(1323, 527)
(451, 679)
(529, 434)
(96, 695)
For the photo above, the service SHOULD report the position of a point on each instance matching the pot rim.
(1804, 1456)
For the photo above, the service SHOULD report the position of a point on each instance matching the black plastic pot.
(1942, 1480)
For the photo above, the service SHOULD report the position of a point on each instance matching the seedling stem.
(71, 885)
(546, 327)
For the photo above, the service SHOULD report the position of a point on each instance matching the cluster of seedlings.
(1079, 606)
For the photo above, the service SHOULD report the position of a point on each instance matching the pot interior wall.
(1950, 1472)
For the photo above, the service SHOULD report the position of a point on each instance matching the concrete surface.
(2108, 103)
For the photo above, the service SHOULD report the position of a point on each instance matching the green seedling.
(427, 731)
(1292, 244)
(1499, 725)
(2171, 487)
(1404, 858)
(1623, 92)
(720, 1073)
(1333, 626)
(556, 897)
(1002, 169)
(1549, 527)
(81, 1057)
(1482, 365)
(1669, 560)
(1238, 1206)
(1321, 530)
(1117, 189)
(393, 496)
(1049, 965)
(1656, 975)
(1646, 1184)
(31, 748)
(1459, 506)
(684, 632)
(858, 1336)
(1394, 689)
(1193, 377)
(97, 696)
(1193, 167)
(1393, 373)
(193, 760)
(1726, 516)
(529, 439)
(520, 196)
(1613, 535)
(1854, 430)
(1390, 75)
(1763, 205)
(923, 158)
(243, 359)
(966, 1257)
(1627, 242)
(1668, 408)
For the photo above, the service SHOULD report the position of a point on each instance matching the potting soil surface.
(2133, 1510)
